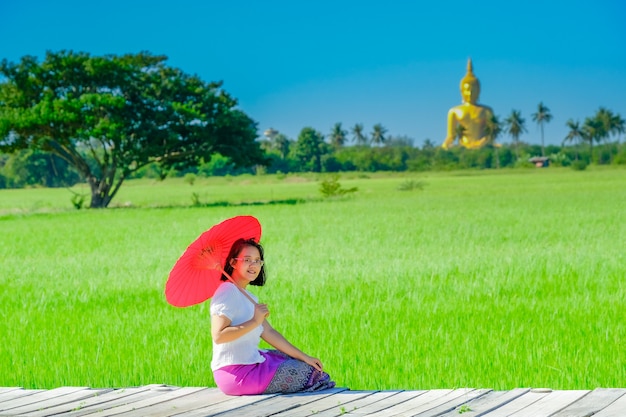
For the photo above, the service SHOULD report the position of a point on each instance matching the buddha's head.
(470, 86)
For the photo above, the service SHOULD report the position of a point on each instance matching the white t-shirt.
(230, 302)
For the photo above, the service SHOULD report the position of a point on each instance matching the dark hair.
(235, 250)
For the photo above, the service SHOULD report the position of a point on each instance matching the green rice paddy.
(489, 279)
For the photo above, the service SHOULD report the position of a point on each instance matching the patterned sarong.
(294, 375)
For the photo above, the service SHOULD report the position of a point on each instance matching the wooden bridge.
(163, 400)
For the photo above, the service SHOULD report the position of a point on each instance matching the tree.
(28, 167)
(592, 131)
(574, 134)
(542, 116)
(606, 119)
(359, 137)
(309, 149)
(428, 144)
(378, 134)
(459, 131)
(515, 127)
(277, 142)
(493, 130)
(109, 116)
(619, 126)
(612, 124)
(282, 144)
(338, 136)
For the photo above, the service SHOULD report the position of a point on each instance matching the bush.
(410, 185)
(190, 178)
(579, 165)
(332, 188)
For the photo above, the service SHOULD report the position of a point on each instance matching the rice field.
(491, 279)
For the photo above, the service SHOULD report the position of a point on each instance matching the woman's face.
(247, 265)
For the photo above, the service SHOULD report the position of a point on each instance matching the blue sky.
(293, 64)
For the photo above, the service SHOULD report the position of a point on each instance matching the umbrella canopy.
(196, 275)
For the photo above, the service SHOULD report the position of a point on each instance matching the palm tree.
(592, 130)
(493, 130)
(338, 136)
(359, 136)
(613, 124)
(574, 134)
(515, 127)
(606, 119)
(459, 131)
(542, 116)
(619, 126)
(428, 144)
(378, 134)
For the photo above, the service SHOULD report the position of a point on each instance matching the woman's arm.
(223, 332)
(277, 340)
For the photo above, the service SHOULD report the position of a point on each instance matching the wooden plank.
(337, 404)
(615, 409)
(7, 389)
(285, 402)
(433, 402)
(120, 397)
(176, 406)
(551, 403)
(37, 397)
(351, 408)
(228, 407)
(8, 395)
(58, 402)
(385, 403)
(147, 402)
(84, 404)
(517, 404)
(592, 403)
(454, 402)
(488, 402)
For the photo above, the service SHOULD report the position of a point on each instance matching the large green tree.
(108, 116)
(541, 117)
(309, 149)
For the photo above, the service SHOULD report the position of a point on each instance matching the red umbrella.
(196, 275)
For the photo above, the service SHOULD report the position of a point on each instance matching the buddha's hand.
(446, 143)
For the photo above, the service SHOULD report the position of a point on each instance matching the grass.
(503, 279)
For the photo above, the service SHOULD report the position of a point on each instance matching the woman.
(237, 326)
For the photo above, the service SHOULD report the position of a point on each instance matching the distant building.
(540, 161)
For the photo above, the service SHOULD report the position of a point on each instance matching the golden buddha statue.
(468, 121)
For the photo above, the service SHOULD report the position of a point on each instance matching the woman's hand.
(222, 330)
(314, 362)
(278, 341)
(261, 312)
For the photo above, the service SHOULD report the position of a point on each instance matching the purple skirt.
(279, 373)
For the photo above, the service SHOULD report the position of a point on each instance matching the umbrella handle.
(238, 287)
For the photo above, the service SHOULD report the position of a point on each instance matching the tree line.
(103, 119)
